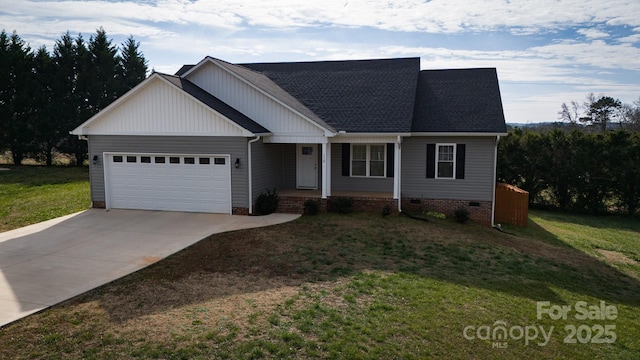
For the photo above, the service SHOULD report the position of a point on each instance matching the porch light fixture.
(95, 159)
(237, 163)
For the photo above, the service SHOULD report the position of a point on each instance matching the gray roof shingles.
(366, 96)
(381, 96)
(459, 100)
(216, 104)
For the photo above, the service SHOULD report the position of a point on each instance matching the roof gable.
(262, 84)
(459, 100)
(167, 105)
(354, 95)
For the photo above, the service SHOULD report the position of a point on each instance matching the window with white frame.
(368, 160)
(445, 161)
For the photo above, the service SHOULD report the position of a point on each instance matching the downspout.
(250, 173)
(398, 161)
(495, 175)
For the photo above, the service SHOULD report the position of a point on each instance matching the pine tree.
(15, 102)
(133, 65)
(47, 131)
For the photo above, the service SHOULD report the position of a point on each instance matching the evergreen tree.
(133, 65)
(17, 79)
(103, 70)
(4, 89)
(46, 129)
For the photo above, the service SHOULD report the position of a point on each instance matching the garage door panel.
(191, 183)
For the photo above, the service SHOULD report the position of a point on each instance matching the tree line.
(45, 95)
(601, 113)
(575, 170)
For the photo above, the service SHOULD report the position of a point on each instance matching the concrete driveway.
(46, 263)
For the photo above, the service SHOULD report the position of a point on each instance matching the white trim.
(368, 160)
(455, 148)
(495, 175)
(295, 139)
(250, 209)
(324, 171)
(328, 166)
(355, 134)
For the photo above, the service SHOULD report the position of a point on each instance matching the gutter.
(250, 173)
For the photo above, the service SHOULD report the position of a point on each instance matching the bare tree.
(570, 113)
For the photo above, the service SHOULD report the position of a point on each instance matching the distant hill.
(545, 125)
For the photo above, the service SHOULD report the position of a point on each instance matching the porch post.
(328, 180)
(324, 171)
(397, 171)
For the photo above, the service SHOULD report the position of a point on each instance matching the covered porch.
(366, 169)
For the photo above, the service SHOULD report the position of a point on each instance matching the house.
(215, 135)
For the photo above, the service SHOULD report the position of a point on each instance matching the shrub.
(341, 205)
(311, 207)
(435, 214)
(267, 202)
(461, 215)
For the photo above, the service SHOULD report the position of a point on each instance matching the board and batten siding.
(348, 183)
(267, 167)
(236, 147)
(477, 184)
(254, 104)
(160, 108)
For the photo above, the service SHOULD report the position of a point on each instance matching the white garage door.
(198, 183)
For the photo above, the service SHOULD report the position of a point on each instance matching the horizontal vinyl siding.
(235, 147)
(477, 184)
(162, 109)
(347, 183)
(267, 167)
(289, 166)
(251, 102)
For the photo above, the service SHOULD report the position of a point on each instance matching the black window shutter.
(431, 161)
(346, 159)
(390, 159)
(460, 155)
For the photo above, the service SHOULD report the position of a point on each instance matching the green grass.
(31, 194)
(356, 286)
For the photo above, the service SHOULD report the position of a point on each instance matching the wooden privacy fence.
(512, 205)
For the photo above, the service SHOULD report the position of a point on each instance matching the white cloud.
(591, 33)
(436, 16)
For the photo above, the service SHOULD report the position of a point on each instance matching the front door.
(307, 166)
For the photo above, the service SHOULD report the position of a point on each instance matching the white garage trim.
(168, 181)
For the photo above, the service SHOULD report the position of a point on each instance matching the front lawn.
(363, 286)
(31, 194)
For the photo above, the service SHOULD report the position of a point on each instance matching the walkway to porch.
(292, 200)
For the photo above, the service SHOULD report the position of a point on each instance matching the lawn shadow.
(603, 221)
(328, 247)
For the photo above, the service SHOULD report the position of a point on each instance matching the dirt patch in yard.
(617, 257)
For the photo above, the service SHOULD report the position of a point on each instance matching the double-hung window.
(446, 155)
(368, 160)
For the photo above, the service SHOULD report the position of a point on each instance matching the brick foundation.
(98, 204)
(479, 211)
(240, 211)
(295, 205)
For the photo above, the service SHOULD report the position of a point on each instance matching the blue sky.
(546, 51)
